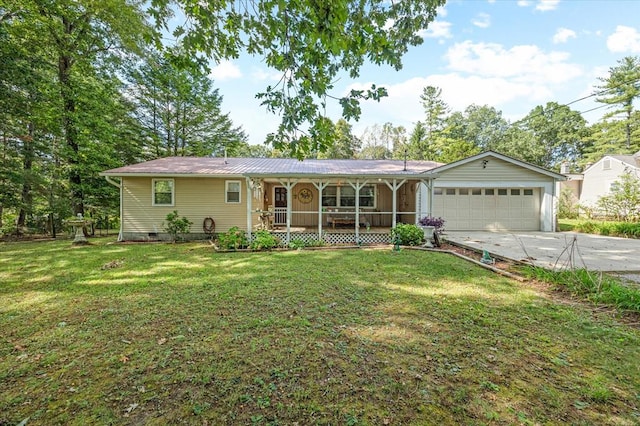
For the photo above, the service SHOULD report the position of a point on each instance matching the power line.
(601, 92)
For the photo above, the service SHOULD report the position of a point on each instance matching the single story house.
(598, 178)
(346, 201)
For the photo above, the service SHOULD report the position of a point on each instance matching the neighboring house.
(598, 178)
(312, 198)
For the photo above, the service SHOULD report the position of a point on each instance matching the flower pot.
(428, 235)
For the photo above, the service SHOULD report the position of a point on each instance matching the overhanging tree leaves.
(311, 43)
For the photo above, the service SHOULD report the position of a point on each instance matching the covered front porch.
(336, 210)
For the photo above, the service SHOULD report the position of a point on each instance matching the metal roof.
(210, 166)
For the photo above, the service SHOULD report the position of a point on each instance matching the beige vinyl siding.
(495, 170)
(195, 198)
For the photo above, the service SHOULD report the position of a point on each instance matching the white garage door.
(498, 209)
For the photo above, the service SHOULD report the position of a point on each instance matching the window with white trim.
(345, 196)
(232, 191)
(162, 192)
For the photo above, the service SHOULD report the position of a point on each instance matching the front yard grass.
(164, 333)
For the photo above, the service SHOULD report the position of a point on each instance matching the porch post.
(289, 186)
(431, 189)
(357, 187)
(394, 207)
(394, 189)
(320, 186)
(249, 202)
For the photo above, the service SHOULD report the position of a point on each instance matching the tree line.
(547, 136)
(88, 86)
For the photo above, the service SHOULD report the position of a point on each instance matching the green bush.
(317, 243)
(567, 205)
(617, 229)
(297, 244)
(407, 235)
(263, 240)
(177, 225)
(627, 229)
(233, 239)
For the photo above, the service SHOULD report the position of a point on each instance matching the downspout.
(249, 198)
(119, 186)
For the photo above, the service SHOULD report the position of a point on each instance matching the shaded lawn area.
(158, 333)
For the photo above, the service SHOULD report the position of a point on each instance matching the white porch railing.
(280, 216)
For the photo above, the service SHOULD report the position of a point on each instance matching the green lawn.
(161, 333)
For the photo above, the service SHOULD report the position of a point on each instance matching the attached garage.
(497, 209)
(493, 192)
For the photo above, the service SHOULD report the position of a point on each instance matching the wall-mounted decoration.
(305, 195)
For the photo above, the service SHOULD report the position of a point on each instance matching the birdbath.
(78, 223)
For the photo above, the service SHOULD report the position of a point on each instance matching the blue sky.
(509, 54)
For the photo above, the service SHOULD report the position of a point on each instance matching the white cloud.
(260, 74)
(441, 11)
(563, 35)
(482, 74)
(624, 40)
(402, 106)
(225, 70)
(546, 5)
(542, 5)
(437, 29)
(483, 20)
(522, 63)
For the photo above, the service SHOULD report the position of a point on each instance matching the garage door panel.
(492, 209)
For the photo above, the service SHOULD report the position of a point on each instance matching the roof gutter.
(113, 182)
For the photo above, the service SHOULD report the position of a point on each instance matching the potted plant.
(430, 225)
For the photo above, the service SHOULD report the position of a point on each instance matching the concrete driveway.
(549, 249)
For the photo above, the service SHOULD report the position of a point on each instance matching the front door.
(280, 204)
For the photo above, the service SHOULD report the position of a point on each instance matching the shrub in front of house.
(234, 239)
(176, 226)
(263, 240)
(407, 235)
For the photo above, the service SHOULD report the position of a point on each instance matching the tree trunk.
(628, 129)
(26, 204)
(65, 62)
